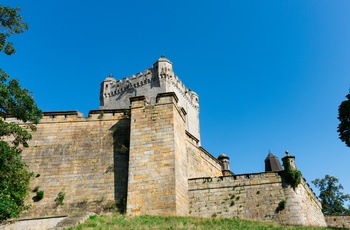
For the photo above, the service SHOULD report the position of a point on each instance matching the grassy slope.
(157, 222)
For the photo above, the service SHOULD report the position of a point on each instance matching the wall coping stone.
(167, 94)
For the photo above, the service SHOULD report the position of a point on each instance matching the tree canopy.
(344, 118)
(17, 102)
(331, 196)
(10, 23)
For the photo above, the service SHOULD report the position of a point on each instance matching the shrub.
(60, 197)
(40, 195)
(290, 176)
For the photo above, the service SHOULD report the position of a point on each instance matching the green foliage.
(17, 102)
(60, 198)
(290, 176)
(39, 195)
(331, 196)
(14, 182)
(10, 23)
(281, 206)
(344, 119)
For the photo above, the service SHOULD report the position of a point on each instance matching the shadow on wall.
(121, 142)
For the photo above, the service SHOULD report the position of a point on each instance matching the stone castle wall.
(82, 157)
(88, 159)
(258, 196)
(338, 221)
(145, 157)
(200, 162)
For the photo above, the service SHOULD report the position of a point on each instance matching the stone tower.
(158, 178)
(116, 94)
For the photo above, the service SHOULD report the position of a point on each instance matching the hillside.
(157, 222)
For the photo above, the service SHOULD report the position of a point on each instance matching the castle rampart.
(258, 196)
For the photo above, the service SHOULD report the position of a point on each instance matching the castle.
(142, 149)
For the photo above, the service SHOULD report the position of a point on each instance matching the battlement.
(67, 116)
(113, 87)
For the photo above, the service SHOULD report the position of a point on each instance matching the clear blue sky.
(270, 74)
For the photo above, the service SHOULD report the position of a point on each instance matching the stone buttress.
(157, 180)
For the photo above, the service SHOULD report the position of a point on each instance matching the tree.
(17, 102)
(344, 118)
(331, 196)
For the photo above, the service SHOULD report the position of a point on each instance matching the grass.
(157, 222)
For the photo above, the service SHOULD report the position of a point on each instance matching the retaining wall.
(259, 196)
(338, 221)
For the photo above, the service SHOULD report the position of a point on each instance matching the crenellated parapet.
(111, 87)
(187, 93)
(76, 116)
(114, 87)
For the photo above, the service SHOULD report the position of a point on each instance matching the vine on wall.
(290, 176)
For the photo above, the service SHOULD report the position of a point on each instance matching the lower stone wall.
(85, 158)
(259, 196)
(338, 221)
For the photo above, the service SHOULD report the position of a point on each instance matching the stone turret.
(105, 88)
(225, 164)
(163, 67)
(290, 159)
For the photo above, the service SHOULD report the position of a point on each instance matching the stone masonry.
(142, 152)
(255, 196)
(157, 162)
(341, 222)
(80, 157)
